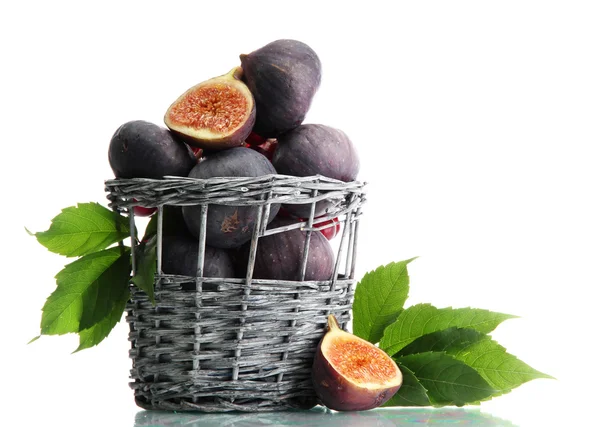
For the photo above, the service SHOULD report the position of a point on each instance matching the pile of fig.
(248, 122)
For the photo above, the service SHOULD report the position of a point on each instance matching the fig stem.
(332, 323)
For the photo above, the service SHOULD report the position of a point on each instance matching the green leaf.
(146, 267)
(411, 392)
(448, 381)
(86, 291)
(151, 228)
(84, 229)
(500, 369)
(96, 334)
(102, 294)
(448, 340)
(378, 300)
(422, 319)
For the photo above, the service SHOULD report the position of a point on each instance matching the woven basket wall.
(236, 344)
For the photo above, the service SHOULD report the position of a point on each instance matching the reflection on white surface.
(322, 417)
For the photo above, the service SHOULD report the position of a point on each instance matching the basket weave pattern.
(236, 344)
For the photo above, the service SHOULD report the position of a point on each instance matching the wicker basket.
(236, 344)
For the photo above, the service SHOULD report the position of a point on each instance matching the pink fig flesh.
(216, 114)
(351, 374)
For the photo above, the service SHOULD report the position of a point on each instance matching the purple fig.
(283, 76)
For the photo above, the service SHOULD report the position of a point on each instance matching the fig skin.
(214, 139)
(279, 256)
(228, 226)
(283, 76)
(173, 222)
(180, 256)
(140, 149)
(315, 149)
(339, 393)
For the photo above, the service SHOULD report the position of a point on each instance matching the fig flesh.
(351, 374)
(255, 139)
(267, 148)
(216, 114)
(283, 76)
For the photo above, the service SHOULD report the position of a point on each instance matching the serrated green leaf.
(448, 341)
(422, 319)
(96, 334)
(378, 300)
(501, 370)
(411, 392)
(84, 229)
(448, 381)
(86, 289)
(146, 267)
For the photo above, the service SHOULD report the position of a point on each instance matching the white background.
(477, 124)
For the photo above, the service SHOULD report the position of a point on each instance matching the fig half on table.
(351, 374)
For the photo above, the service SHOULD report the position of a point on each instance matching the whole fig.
(228, 226)
(283, 76)
(314, 149)
(279, 255)
(140, 149)
(180, 256)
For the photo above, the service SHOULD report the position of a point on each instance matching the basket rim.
(233, 179)
(232, 191)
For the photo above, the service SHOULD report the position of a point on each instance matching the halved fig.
(216, 114)
(351, 374)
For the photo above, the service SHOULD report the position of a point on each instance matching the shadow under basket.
(237, 344)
